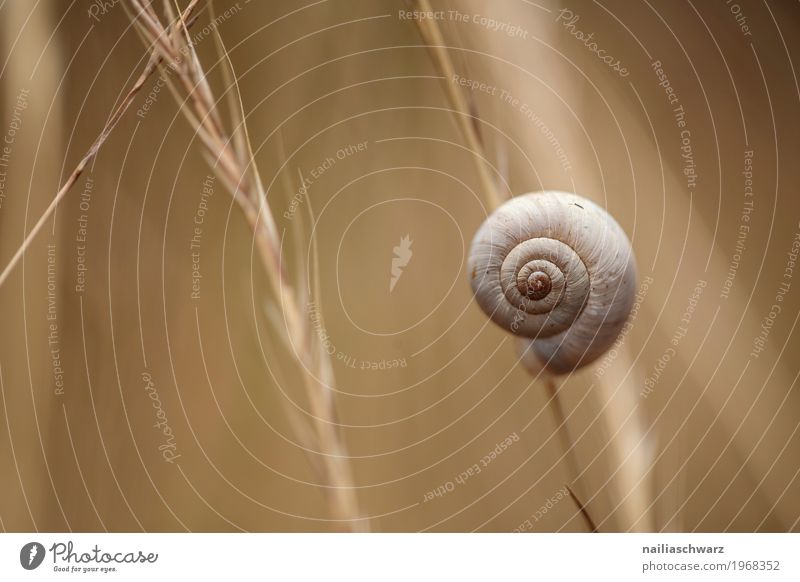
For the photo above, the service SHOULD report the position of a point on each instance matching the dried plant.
(464, 109)
(468, 119)
(113, 120)
(229, 153)
(230, 156)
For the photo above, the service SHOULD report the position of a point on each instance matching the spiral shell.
(555, 268)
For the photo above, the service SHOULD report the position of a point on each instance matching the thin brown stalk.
(465, 112)
(151, 66)
(582, 508)
(467, 118)
(562, 429)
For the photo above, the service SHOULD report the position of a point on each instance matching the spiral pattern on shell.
(557, 269)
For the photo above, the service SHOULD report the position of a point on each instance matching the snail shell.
(557, 269)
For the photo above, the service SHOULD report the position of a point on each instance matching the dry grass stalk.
(467, 118)
(116, 116)
(466, 114)
(584, 513)
(230, 156)
(570, 458)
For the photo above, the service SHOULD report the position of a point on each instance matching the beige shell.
(555, 268)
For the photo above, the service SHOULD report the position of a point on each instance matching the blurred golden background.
(690, 424)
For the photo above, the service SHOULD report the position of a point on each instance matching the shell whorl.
(557, 269)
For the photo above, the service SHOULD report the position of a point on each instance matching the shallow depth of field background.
(713, 446)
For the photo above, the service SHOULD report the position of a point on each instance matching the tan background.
(712, 448)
